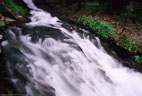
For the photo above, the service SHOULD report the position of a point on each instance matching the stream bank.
(40, 68)
(126, 43)
(55, 61)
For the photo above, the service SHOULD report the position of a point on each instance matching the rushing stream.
(45, 59)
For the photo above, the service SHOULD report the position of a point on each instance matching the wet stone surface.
(0, 39)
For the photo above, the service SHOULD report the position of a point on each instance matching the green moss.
(1, 25)
(15, 7)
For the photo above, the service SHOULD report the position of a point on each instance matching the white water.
(90, 72)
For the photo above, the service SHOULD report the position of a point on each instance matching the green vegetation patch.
(138, 59)
(128, 43)
(103, 30)
(92, 7)
(1, 25)
(15, 7)
(114, 53)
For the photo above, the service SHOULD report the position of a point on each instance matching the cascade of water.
(65, 64)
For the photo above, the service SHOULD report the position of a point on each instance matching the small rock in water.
(0, 39)
(7, 20)
(1, 36)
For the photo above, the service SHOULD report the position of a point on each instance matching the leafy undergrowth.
(126, 33)
(16, 8)
(103, 30)
(1, 25)
(138, 59)
(127, 43)
(118, 26)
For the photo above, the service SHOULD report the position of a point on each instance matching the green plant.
(1, 25)
(128, 43)
(138, 59)
(82, 20)
(16, 8)
(114, 53)
(102, 29)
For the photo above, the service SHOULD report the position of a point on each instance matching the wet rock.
(9, 20)
(1, 18)
(20, 87)
(127, 64)
(68, 27)
(43, 32)
(1, 36)
(0, 42)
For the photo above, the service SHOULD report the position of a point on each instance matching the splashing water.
(54, 61)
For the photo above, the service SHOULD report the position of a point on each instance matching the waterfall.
(45, 59)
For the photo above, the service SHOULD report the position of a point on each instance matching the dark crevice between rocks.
(5, 85)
